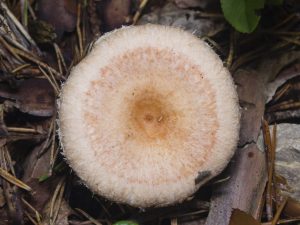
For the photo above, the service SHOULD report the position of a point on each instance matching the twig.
(139, 11)
(24, 12)
(17, 69)
(10, 49)
(91, 219)
(51, 80)
(270, 150)
(53, 154)
(60, 59)
(231, 50)
(18, 25)
(56, 201)
(37, 214)
(22, 130)
(31, 219)
(284, 106)
(79, 35)
(278, 212)
(12, 179)
(38, 62)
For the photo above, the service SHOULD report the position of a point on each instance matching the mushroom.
(149, 116)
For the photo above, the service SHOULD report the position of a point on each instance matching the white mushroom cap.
(149, 116)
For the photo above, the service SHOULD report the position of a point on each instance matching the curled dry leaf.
(61, 14)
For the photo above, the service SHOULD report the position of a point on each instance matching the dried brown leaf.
(33, 96)
(292, 208)
(239, 217)
(61, 14)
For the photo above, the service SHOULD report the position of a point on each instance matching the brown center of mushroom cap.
(151, 116)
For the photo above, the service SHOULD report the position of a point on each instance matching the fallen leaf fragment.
(292, 208)
(33, 96)
(239, 217)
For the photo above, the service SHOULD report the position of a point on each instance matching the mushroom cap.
(149, 116)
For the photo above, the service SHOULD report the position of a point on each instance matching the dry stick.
(46, 142)
(53, 78)
(278, 212)
(24, 12)
(247, 57)
(201, 211)
(272, 169)
(31, 219)
(284, 221)
(18, 25)
(18, 45)
(10, 49)
(91, 219)
(31, 11)
(52, 82)
(295, 41)
(52, 153)
(268, 150)
(231, 50)
(12, 179)
(281, 92)
(38, 62)
(22, 130)
(78, 30)
(56, 198)
(212, 43)
(60, 58)
(37, 214)
(282, 33)
(139, 11)
(7, 156)
(83, 31)
(284, 106)
(286, 20)
(17, 69)
(58, 205)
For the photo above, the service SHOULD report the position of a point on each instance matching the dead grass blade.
(139, 11)
(12, 179)
(56, 201)
(37, 214)
(91, 219)
(270, 154)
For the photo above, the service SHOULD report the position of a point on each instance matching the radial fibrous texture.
(149, 116)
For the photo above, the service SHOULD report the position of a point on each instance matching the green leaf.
(274, 2)
(43, 178)
(242, 14)
(126, 222)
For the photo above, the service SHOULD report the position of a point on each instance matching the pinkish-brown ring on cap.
(147, 112)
